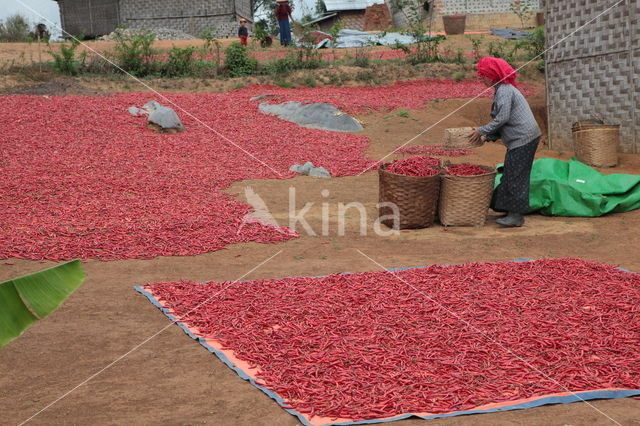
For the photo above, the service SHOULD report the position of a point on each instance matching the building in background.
(98, 17)
(481, 14)
(594, 73)
(350, 12)
(88, 17)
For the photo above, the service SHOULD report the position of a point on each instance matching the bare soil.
(148, 371)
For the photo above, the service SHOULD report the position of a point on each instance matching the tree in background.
(15, 28)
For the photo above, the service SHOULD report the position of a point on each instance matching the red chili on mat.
(435, 340)
(415, 166)
(88, 180)
(465, 169)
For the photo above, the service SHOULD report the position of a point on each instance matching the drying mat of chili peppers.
(429, 342)
(84, 179)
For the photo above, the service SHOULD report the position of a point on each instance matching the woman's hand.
(475, 137)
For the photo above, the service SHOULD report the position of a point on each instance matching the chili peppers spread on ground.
(84, 179)
(448, 338)
(415, 166)
(435, 150)
(465, 170)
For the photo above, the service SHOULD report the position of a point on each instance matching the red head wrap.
(497, 70)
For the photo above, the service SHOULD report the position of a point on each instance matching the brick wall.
(478, 7)
(481, 14)
(190, 16)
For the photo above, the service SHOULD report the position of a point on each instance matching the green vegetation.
(32, 297)
(523, 10)
(238, 62)
(133, 53)
(14, 29)
(180, 62)
(67, 62)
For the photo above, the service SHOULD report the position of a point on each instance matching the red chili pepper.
(367, 345)
(415, 166)
(465, 169)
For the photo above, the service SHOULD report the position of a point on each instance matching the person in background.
(514, 123)
(243, 32)
(283, 14)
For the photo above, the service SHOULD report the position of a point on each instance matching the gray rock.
(320, 172)
(306, 168)
(166, 118)
(151, 106)
(315, 116)
(135, 111)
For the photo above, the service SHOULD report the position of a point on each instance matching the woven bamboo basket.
(458, 138)
(415, 197)
(596, 144)
(454, 24)
(464, 200)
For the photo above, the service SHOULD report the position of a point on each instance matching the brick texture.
(377, 17)
(190, 16)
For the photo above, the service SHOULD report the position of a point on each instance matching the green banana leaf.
(26, 299)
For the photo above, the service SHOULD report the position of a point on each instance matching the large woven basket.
(454, 24)
(464, 200)
(458, 138)
(415, 197)
(596, 144)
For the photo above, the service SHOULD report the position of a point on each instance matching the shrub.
(14, 29)
(476, 45)
(180, 62)
(66, 62)
(302, 59)
(238, 62)
(361, 59)
(212, 46)
(133, 53)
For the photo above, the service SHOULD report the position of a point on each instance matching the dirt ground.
(144, 370)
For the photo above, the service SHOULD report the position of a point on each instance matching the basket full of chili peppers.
(409, 192)
(465, 194)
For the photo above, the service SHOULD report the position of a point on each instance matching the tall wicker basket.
(415, 197)
(454, 24)
(464, 200)
(596, 144)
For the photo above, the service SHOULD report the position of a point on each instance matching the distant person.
(243, 32)
(514, 123)
(283, 14)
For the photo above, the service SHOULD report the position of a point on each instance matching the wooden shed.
(90, 18)
(593, 68)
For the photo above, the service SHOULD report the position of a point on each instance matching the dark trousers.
(512, 195)
(285, 32)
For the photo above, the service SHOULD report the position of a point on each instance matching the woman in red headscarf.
(513, 122)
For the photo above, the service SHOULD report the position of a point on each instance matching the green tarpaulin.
(571, 188)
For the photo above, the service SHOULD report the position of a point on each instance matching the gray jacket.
(513, 121)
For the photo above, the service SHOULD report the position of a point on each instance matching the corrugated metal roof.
(334, 5)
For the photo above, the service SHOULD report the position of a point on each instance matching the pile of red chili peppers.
(434, 340)
(435, 150)
(415, 166)
(465, 169)
(88, 180)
